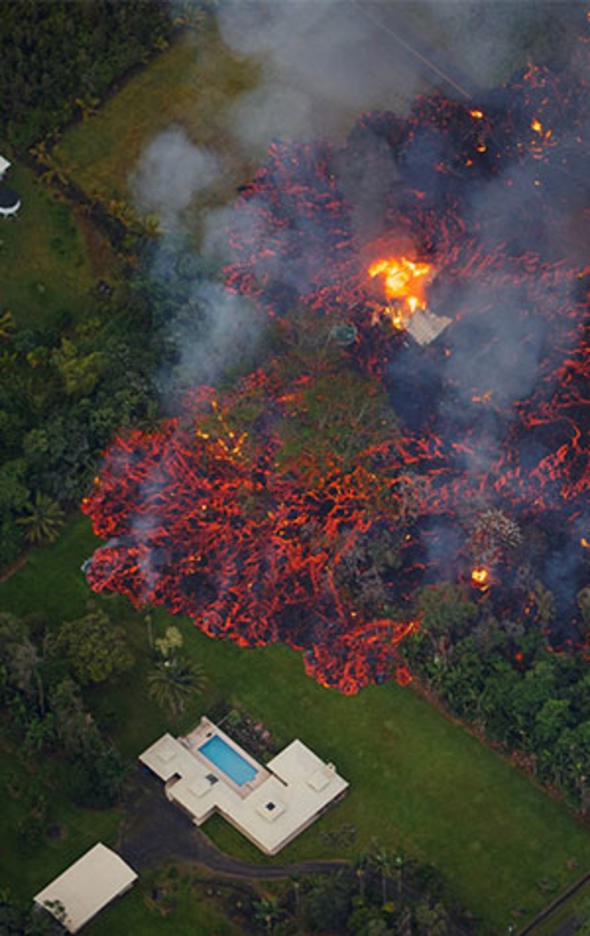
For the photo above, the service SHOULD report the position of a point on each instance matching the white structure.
(86, 887)
(271, 808)
(9, 200)
(424, 326)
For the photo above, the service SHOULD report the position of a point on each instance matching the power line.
(402, 42)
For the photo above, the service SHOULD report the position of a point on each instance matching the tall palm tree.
(174, 681)
(382, 862)
(44, 519)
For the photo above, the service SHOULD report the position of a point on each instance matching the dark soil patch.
(156, 832)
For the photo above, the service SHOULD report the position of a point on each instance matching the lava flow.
(424, 420)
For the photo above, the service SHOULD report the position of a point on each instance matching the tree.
(43, 520)
(327, 905)
(174, 681)
(432, 919)
(22, 919)
(171, 641)
(75, 728)
(383, 863)
(14, 495)
(446, 617)
(95, 646)
(267, 912)
(20, 659)
(79, 372)
(96, 778)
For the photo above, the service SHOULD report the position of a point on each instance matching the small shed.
(4, 164)
(89, 885)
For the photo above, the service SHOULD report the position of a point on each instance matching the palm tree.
(382, 862)
(174, 681)
(44, 519)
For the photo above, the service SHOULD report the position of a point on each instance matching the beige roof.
(424, 326)
(283, 799)
(87, 886)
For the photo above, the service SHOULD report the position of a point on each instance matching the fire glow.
(405, 283)
(480, 577)
(260, 539)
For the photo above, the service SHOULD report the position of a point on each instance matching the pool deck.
(282, 800)
(206, 730)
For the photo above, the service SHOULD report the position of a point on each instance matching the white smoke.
(170, 172)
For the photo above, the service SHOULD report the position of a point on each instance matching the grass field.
(571, 913)
(190, 85)
(46, 265)
(135, 913)
(418, 782)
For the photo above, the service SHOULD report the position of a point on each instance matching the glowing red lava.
(321, 544)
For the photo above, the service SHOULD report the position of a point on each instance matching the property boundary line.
(573, 889)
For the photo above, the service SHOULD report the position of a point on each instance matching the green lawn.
(135, 913)
(572, 912)
(418, 781)
(190, 85)
(45, 265)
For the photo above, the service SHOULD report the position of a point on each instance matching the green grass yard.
(136, 913)
(191, 85)
(418, 781)
(47, 270)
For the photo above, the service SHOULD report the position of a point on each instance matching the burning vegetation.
(423, 415)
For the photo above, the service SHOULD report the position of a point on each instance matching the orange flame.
(537, 126)
(477, 114)
(584, 542)
(480, 577)
(405, 280)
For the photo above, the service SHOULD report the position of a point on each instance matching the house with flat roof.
(86, 887)
(207, 772)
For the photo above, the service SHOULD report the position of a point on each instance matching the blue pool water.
(228, 760)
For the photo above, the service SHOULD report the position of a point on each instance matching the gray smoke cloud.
(219, 331)
(321, 63)
(170, 172)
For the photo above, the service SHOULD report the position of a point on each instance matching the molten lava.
(405, 283)
(302, 507)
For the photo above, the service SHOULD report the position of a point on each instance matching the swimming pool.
(220, 753)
